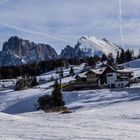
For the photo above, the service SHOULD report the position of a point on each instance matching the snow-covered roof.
(116, 69)
(82, 74)
(125, 70)
(99, 70)
(96, 71)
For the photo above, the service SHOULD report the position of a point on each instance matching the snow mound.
(100, 98)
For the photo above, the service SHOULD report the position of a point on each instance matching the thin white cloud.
(36, 33)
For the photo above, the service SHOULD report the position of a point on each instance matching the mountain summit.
(90, 46)
(17, 51)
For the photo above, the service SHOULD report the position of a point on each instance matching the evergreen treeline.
(35, 69)
(124, 56)
(29, 69)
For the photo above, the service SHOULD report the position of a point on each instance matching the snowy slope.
(98, 114)
(109, 120)
(98, 45)
(133, 64)
(23, 101)
(89, 46)
(103, 45)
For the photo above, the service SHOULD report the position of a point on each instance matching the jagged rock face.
(18, 51)
(90, 46)
(67, 52)
(82, 52)
(70, 52)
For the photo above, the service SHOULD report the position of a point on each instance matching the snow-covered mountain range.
(90, 46)
(17, 51)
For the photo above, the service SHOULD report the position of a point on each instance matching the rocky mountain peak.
(67, 52)
(17, 51)
(88, 46)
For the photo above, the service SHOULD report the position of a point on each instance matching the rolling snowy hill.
(97, 114)
(133, 64)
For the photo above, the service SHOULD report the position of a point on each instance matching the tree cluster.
(25, 83)
(124, 56)
(91, 61)
(48, 102)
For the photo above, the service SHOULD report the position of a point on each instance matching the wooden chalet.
(115, 78)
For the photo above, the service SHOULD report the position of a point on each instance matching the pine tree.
(110, 59)
(57, 95)
(122, 56)
(71, 73)
(133, 53)
(104, 57)
(90, 61)
(128, 55)
(61, 72)
(118, 58)
(139, 54)
(53, 101)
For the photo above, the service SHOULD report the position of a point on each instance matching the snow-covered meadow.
(101, 114)
(97, 114)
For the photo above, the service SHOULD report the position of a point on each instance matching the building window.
(122, 85)
(110, 75)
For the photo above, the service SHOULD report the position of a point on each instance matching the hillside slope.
(133, 64)
(97, 114)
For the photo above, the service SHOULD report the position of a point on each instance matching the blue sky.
(62, 22)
